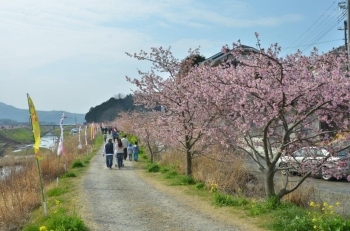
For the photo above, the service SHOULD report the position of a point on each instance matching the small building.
(223, 58)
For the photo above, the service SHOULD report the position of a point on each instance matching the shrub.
(64, 221)
(77, 164)
(152, 167)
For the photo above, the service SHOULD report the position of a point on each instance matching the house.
(222, 58)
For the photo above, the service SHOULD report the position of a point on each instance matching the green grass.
(18, 135)
(152, 167)
(56, 191)
(199, 186)
(21, 135)
(227, 200)
(77, 164)
(69, 174)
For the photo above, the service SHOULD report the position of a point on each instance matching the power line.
(312, 25)
(323, 33)
(321, 27)
(313, 44)
(317, 29)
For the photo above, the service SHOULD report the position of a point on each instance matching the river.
(48, 141)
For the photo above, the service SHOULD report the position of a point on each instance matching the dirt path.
(128, 199)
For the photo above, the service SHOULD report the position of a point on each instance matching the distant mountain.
(8, 112)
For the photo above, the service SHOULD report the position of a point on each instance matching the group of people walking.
(122, 149)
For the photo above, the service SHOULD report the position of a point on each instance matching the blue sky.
(70, 55)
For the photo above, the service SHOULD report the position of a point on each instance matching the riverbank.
(21, 197)
(17, 137)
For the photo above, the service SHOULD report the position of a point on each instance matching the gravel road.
(127, 199)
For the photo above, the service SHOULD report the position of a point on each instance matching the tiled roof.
(219, 57)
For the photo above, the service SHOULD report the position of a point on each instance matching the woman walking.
(120, 154)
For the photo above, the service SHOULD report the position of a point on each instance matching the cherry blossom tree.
(148, 129)
(184, 120)
(269, 106)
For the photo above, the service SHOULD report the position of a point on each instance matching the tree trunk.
(269, 182)
(188, 163)
(188, 157)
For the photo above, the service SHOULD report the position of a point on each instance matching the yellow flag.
(35, 126)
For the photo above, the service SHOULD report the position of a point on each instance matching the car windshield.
(315, 152)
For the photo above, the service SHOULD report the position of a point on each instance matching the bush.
(77, 164)
(61, 219)
(143, 156)
(152, 167)
(63, 222)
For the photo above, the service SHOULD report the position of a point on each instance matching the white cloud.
(50, 48)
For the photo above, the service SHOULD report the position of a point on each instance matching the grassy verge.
(21, 203)
(266, 214)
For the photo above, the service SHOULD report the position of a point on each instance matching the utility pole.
(345, 37)
(346, 40)
(348, 27)
(345, 5)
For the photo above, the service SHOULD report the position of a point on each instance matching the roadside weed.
(69, 174)
(62, 215)
(77, 164)
(200, 186)
(152, 167)
(227, 200)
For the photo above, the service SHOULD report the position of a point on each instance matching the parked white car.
(319, 161)
(74, 131)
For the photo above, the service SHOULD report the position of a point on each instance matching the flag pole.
(60, 148)
(42, 188)
(36, 133)
(58, 169)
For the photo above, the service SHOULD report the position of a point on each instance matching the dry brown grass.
(302, 196)
(20, 192)
(228, 176)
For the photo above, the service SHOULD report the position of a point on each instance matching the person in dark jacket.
(109, 151)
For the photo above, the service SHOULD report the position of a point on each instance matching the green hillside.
(109, 110)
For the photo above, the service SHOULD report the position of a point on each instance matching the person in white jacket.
(125, 146)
